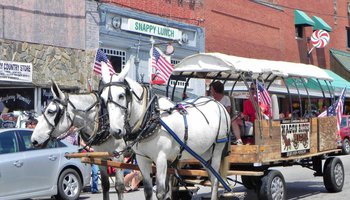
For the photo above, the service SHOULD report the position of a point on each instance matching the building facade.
(57, 40)
(266, 29)
(128, 35)
(41, 42)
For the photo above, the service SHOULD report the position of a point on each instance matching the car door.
(40, 165)
(11, 165)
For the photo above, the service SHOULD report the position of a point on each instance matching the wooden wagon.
(305, 140)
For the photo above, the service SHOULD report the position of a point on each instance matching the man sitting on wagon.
(243, 123)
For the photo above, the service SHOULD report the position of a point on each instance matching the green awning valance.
(338, 81)
(301, 18)
(320, 24)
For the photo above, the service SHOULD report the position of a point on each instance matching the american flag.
(263, 94)
(336, 109)
(102, 57)
(162, 66)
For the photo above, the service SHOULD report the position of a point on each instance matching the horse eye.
(121, 96)
(50, 111)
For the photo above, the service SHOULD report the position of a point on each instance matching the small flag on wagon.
(102, 57)
(263, 97)
(161, 67)
(336, 109)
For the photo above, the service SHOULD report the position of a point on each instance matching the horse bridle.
(60, 112)
(57, 102)
(129, 93)
(128, 97)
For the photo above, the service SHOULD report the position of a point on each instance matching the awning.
(320, 24)
(301, 18)
(338, 81)
(342, 57)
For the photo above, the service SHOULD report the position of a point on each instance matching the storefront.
(128, 35)
(17, 90)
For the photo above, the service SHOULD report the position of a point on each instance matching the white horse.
(129, 106)
(81, 111)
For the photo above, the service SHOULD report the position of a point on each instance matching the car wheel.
(69, 185)
(346, 147)
(333, 174)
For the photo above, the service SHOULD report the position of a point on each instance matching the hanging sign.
(319, 39)
(151, 29)
(16, 71)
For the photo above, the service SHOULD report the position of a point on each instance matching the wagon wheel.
(251, 182)
(273, 186)
(333, 176)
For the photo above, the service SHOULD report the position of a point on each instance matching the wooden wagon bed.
(249, 160)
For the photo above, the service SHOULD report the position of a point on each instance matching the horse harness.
(145, 126)
(151, 117)
(97, 138)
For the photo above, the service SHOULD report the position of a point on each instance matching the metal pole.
(137, 61)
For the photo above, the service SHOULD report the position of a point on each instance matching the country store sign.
(151, 29)
(16, 71)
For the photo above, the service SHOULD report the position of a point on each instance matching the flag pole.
(151, 55)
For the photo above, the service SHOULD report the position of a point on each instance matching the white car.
(26, 172)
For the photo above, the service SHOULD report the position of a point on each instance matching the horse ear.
(106, 77)
(57, 93)
(125, 71)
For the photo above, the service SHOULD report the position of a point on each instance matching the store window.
(47, 96)
(348, 37)
(181, 81)
(299, 31)
(18, 99)
(117, 58)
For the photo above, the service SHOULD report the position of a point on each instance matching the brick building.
(265, 29)
(60, 38)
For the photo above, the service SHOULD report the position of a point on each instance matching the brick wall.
(256, 29)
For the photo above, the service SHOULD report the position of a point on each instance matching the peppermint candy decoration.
(320, 38)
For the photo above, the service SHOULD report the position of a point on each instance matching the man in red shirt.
(248, 114)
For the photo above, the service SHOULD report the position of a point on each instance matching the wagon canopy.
(222, 66)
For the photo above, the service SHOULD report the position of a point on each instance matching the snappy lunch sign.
(151, 29)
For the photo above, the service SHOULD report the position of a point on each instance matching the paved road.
(300, 182)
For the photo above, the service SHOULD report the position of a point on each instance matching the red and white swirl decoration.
(320, 38)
